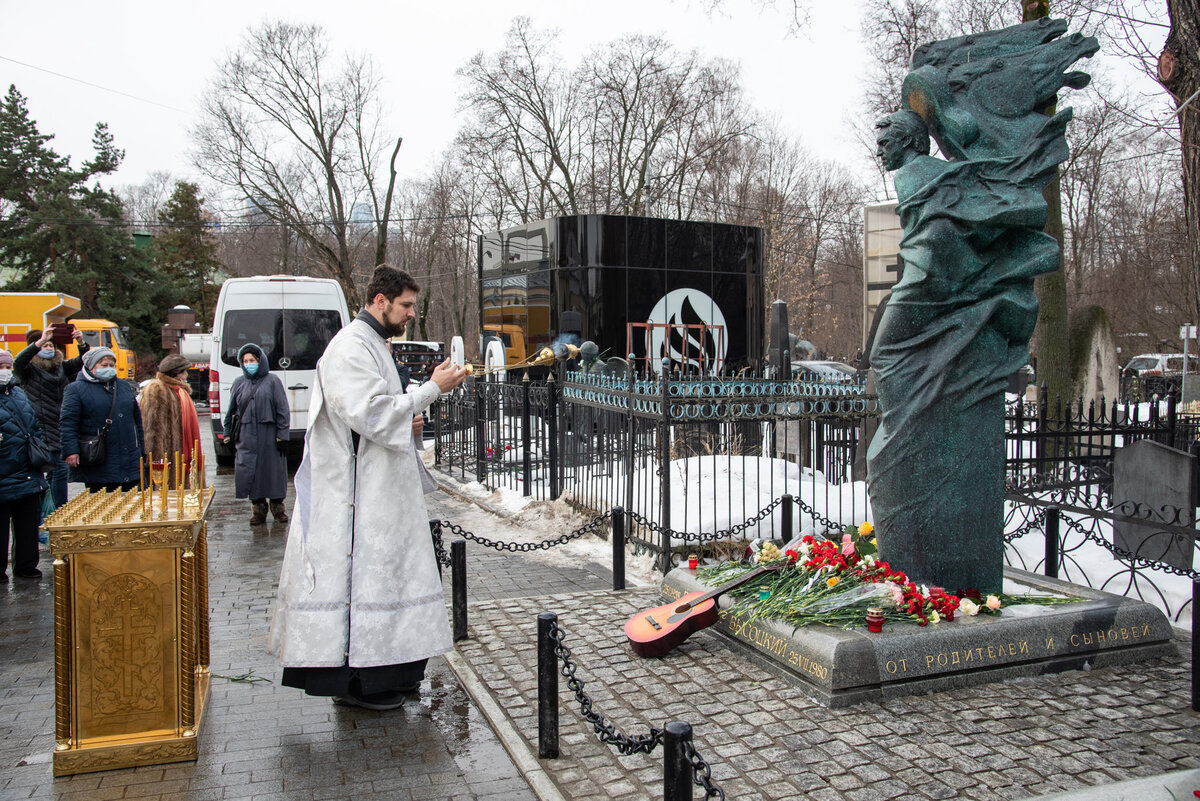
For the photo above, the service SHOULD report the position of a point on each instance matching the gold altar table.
(131, 673)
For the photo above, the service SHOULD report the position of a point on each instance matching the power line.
(95, 85)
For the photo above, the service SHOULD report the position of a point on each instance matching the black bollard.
(1052, 544)
(618, 546)
(458, 587)
(435, 531)
(786, 520)
(547, 688)
(1196, 645)
(677, 768)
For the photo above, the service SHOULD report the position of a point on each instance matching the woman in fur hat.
(44, 372)
(169, 416)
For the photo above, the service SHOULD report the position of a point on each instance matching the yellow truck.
(21, 312)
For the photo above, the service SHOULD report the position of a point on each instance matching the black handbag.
(92, 449)
(40, 455)
(235, 420)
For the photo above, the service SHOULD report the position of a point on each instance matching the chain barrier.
(1121, 553)
(701, 773)
(605, 731)
(439, 547)
(723, 534)
(591, 527)
(1037, 521)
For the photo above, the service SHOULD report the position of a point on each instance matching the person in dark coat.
(20, 485)
(44, 373)
(260, 464)
(85, 407)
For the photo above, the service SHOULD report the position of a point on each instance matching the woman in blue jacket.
(20, 485)
(85, 408)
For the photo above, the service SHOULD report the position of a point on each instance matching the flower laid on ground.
(834, 583)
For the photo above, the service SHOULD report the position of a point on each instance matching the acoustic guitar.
(656, 631)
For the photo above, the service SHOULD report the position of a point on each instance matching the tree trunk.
(1179, 74)
(1051, 344)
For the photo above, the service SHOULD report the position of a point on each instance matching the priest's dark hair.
(389, 282)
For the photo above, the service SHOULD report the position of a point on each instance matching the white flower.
(993, 602)
(968, 607)
(934, 617)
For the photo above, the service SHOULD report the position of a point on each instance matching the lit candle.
(693, 561)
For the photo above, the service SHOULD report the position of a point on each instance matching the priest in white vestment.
(360, 608)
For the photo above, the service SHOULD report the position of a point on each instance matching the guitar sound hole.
(683, 608)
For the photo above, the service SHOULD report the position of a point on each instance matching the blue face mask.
(250, 368)
(106, 373)
(46, 353)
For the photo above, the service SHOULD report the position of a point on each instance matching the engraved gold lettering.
(1050, 644)
(1074, 639)
(1087, 639)
(954, 659)
(1024, 647)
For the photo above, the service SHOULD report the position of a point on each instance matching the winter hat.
(95, 355)
(173, 364)
(32, 336)
(6, 359)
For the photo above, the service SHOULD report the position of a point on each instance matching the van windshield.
(293, 339)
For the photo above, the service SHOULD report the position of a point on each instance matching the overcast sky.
(166, 53)
(153, 61)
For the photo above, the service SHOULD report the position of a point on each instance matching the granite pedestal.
(837, 667)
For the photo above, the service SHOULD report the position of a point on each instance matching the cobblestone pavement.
(258, 740)
(763, 737)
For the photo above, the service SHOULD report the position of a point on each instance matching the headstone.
(1191, 388)
(1155, 482)
(780, 338)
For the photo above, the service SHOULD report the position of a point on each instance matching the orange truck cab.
(21, 312)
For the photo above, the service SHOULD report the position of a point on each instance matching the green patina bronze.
(958, 323)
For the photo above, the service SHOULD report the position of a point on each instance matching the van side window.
(300, 335)
(106, 338)
(263, 327)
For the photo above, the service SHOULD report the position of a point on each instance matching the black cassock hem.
(355, 681)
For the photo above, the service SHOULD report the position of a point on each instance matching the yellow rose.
(829, 582)
(865, 529)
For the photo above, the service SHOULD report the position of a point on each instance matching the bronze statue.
(958, 323)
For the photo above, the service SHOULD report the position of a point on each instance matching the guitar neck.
(733, 585)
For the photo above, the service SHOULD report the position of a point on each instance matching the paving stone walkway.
(763, 737)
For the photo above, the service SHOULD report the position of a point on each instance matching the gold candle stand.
(130, 628)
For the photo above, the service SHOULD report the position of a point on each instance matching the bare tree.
(143, 202)
(301, 139)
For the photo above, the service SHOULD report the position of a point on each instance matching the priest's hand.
(418, 425)
(447, 376)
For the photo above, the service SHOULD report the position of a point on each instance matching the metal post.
(618, 547)
(480, 429)
(677, 768)
(552, 414)
(435, 531)
(458, 587)
(664, 450)
(436, 411)
(547, 688)
(630, 429)
(1195, 645)
(786, 518)
(526, 440)
(1052, 543)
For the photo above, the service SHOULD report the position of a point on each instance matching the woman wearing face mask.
(260, 465)
(86, 407)
(44, 374)
(20, 485)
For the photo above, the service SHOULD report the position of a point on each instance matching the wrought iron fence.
(680, 453)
